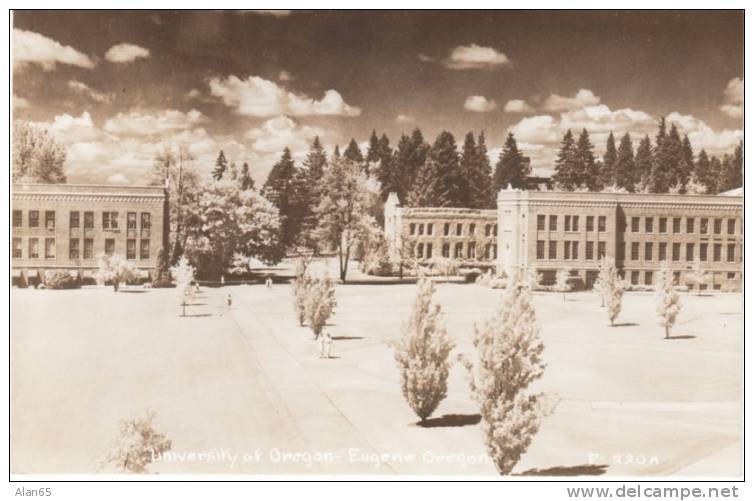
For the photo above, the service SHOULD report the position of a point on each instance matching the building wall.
(64, 199)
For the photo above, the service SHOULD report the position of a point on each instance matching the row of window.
(570, 250)
(662, 226)
(75, 250)
(428, 228)
(424, 251)
(109, 219)
(570, 223)
(649, 278)
(662, 252)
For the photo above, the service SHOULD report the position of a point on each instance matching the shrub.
(668, 301)
(508, 360)
(421, 354)
(443, 266)
(611, 288)
(115, 269)
(61, 280)
(137, 445)
(377, 259)
(319, 303)
(471, 275)
(561, 281)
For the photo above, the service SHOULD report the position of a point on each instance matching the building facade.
(549, 230)
(66, 227)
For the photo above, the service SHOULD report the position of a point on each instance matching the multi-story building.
(550, 230)
(66, 227)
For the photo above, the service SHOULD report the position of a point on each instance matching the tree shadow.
(132, 291)
(198, 315)
(626, 324)
(451, 420)
(682, 336)
(566, 471)
(331, 357)
(345, 338)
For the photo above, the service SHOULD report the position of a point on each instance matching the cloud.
(136, 123)
(470, 57)
(284, 76)
(281, 132)
(192, 94)
(479, 104)
(32, 48)
(703, 136)
(584, 97)
(125, 53)
(258, 97)
(734, 99)
(83, 88)
(425, 58)
(118, 178)
(69, 129)
(405, 119)
(20, 102)
(517, 106)
(537, 129)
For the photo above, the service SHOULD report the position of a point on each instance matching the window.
(446, 230)
(73, 219)
(131, 248)
(421, 229)
(648, 251)
(73, 248)
(487, 251)
(589, 250)
(662, 251)
(703, 223)
(18, 218)
(429, 251)
(731, 275)
(494, 229)
(487, 230)
(411, 228)
(731, 253)
(471, 251)
(429, 228)
(689, 252)
(419, 250)
(689, 225)
(718, 228)
(131, 220)
(647, 278)
(552, 251)
(50, 219)
(446, 250)
(590, 223)
(635, 277)
(144, 251)
(109, 246)
(649, 224)
(110, 221)
(146, 220)
(459, 229)
(575, 250)
(676, 252)
(634, 251)
(634, 225)
(88, 248)
(553, 223)
(602, 223)
(663, 225)
(17, 248)
(459, 250)
(676, 225)
(494, 251)
(601, 250)
(702, 252)
(540, 222)
(472, 229)
(731, 226)
(567, 223)
(49, 248)
(717, 252)
(88, 220)
(575, 223)
(33, 218)
(566, 249)
(33, 248)
(540, 249)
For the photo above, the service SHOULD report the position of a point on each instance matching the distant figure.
(222, 279)
(268, 283)
(325, 342)
(229, 300)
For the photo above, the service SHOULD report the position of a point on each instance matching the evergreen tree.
(444, 153)
(642, 174)
(624, 164)
(483, 196)
(384, 170)
(336, 152)
(668, 301)
(511, 167)
(245, 180)
(703, 173)
(586, 168)
(687, 168)
(607, 175)
(221, 165)
(428, 190)
(732, 170)
(353, 153)
(373, 151)
(307, 189)
(280, 189)
(469, 165)
(666, 160)
(402, 168)
(566, 176)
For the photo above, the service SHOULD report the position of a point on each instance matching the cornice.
(87, 197)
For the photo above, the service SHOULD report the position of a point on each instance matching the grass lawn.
(243, 390)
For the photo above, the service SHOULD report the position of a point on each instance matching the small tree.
(445, 266)
(115, 269)
(668, 301)
(319, 303)
(697, 276)
(301, 289)
(611, 288)
(183, 273)
(561, 281)
(421, 354)
(137, 445)
(508, 360)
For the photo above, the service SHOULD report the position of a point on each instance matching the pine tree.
(444, 153)
(716, 174)
(667, 160)
(422, 354)
(511, 167)
(306, 189)
(408, 161)
(608, 175)
(373, 151)
(642, 175)
(703, 173)
(611, 287)
(566, 177)
(428, 190)
(280, 189)
(221, 165)
(336, 152)
(483, 196)
(245, 180)
(624, 164)
(668, 301)
(732, 170)
(687, 167)
(469, 166)
(588, 176)
(384, 170)
(353, 153)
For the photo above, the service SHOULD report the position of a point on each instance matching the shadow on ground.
(447, 420)
(345, 338)
(626, 324)
(683, 336)
(566, 471)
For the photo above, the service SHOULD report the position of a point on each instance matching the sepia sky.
(115, 87)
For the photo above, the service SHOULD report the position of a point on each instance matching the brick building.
(65, 227)
(551, 230)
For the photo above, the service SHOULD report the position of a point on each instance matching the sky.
(117, 87)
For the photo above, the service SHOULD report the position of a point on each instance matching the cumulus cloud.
(69, 129)
(584, 97)
(192, 94)
(734, 98)
(479, 104)
(83, 88)
(425, 58)
(136, 123)
(125, 53)
(702, 135)
(281, 132)
(258, 97)
(470, 57)
(517, 106)
(32, 48)
(405, 119)
(285, 76)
